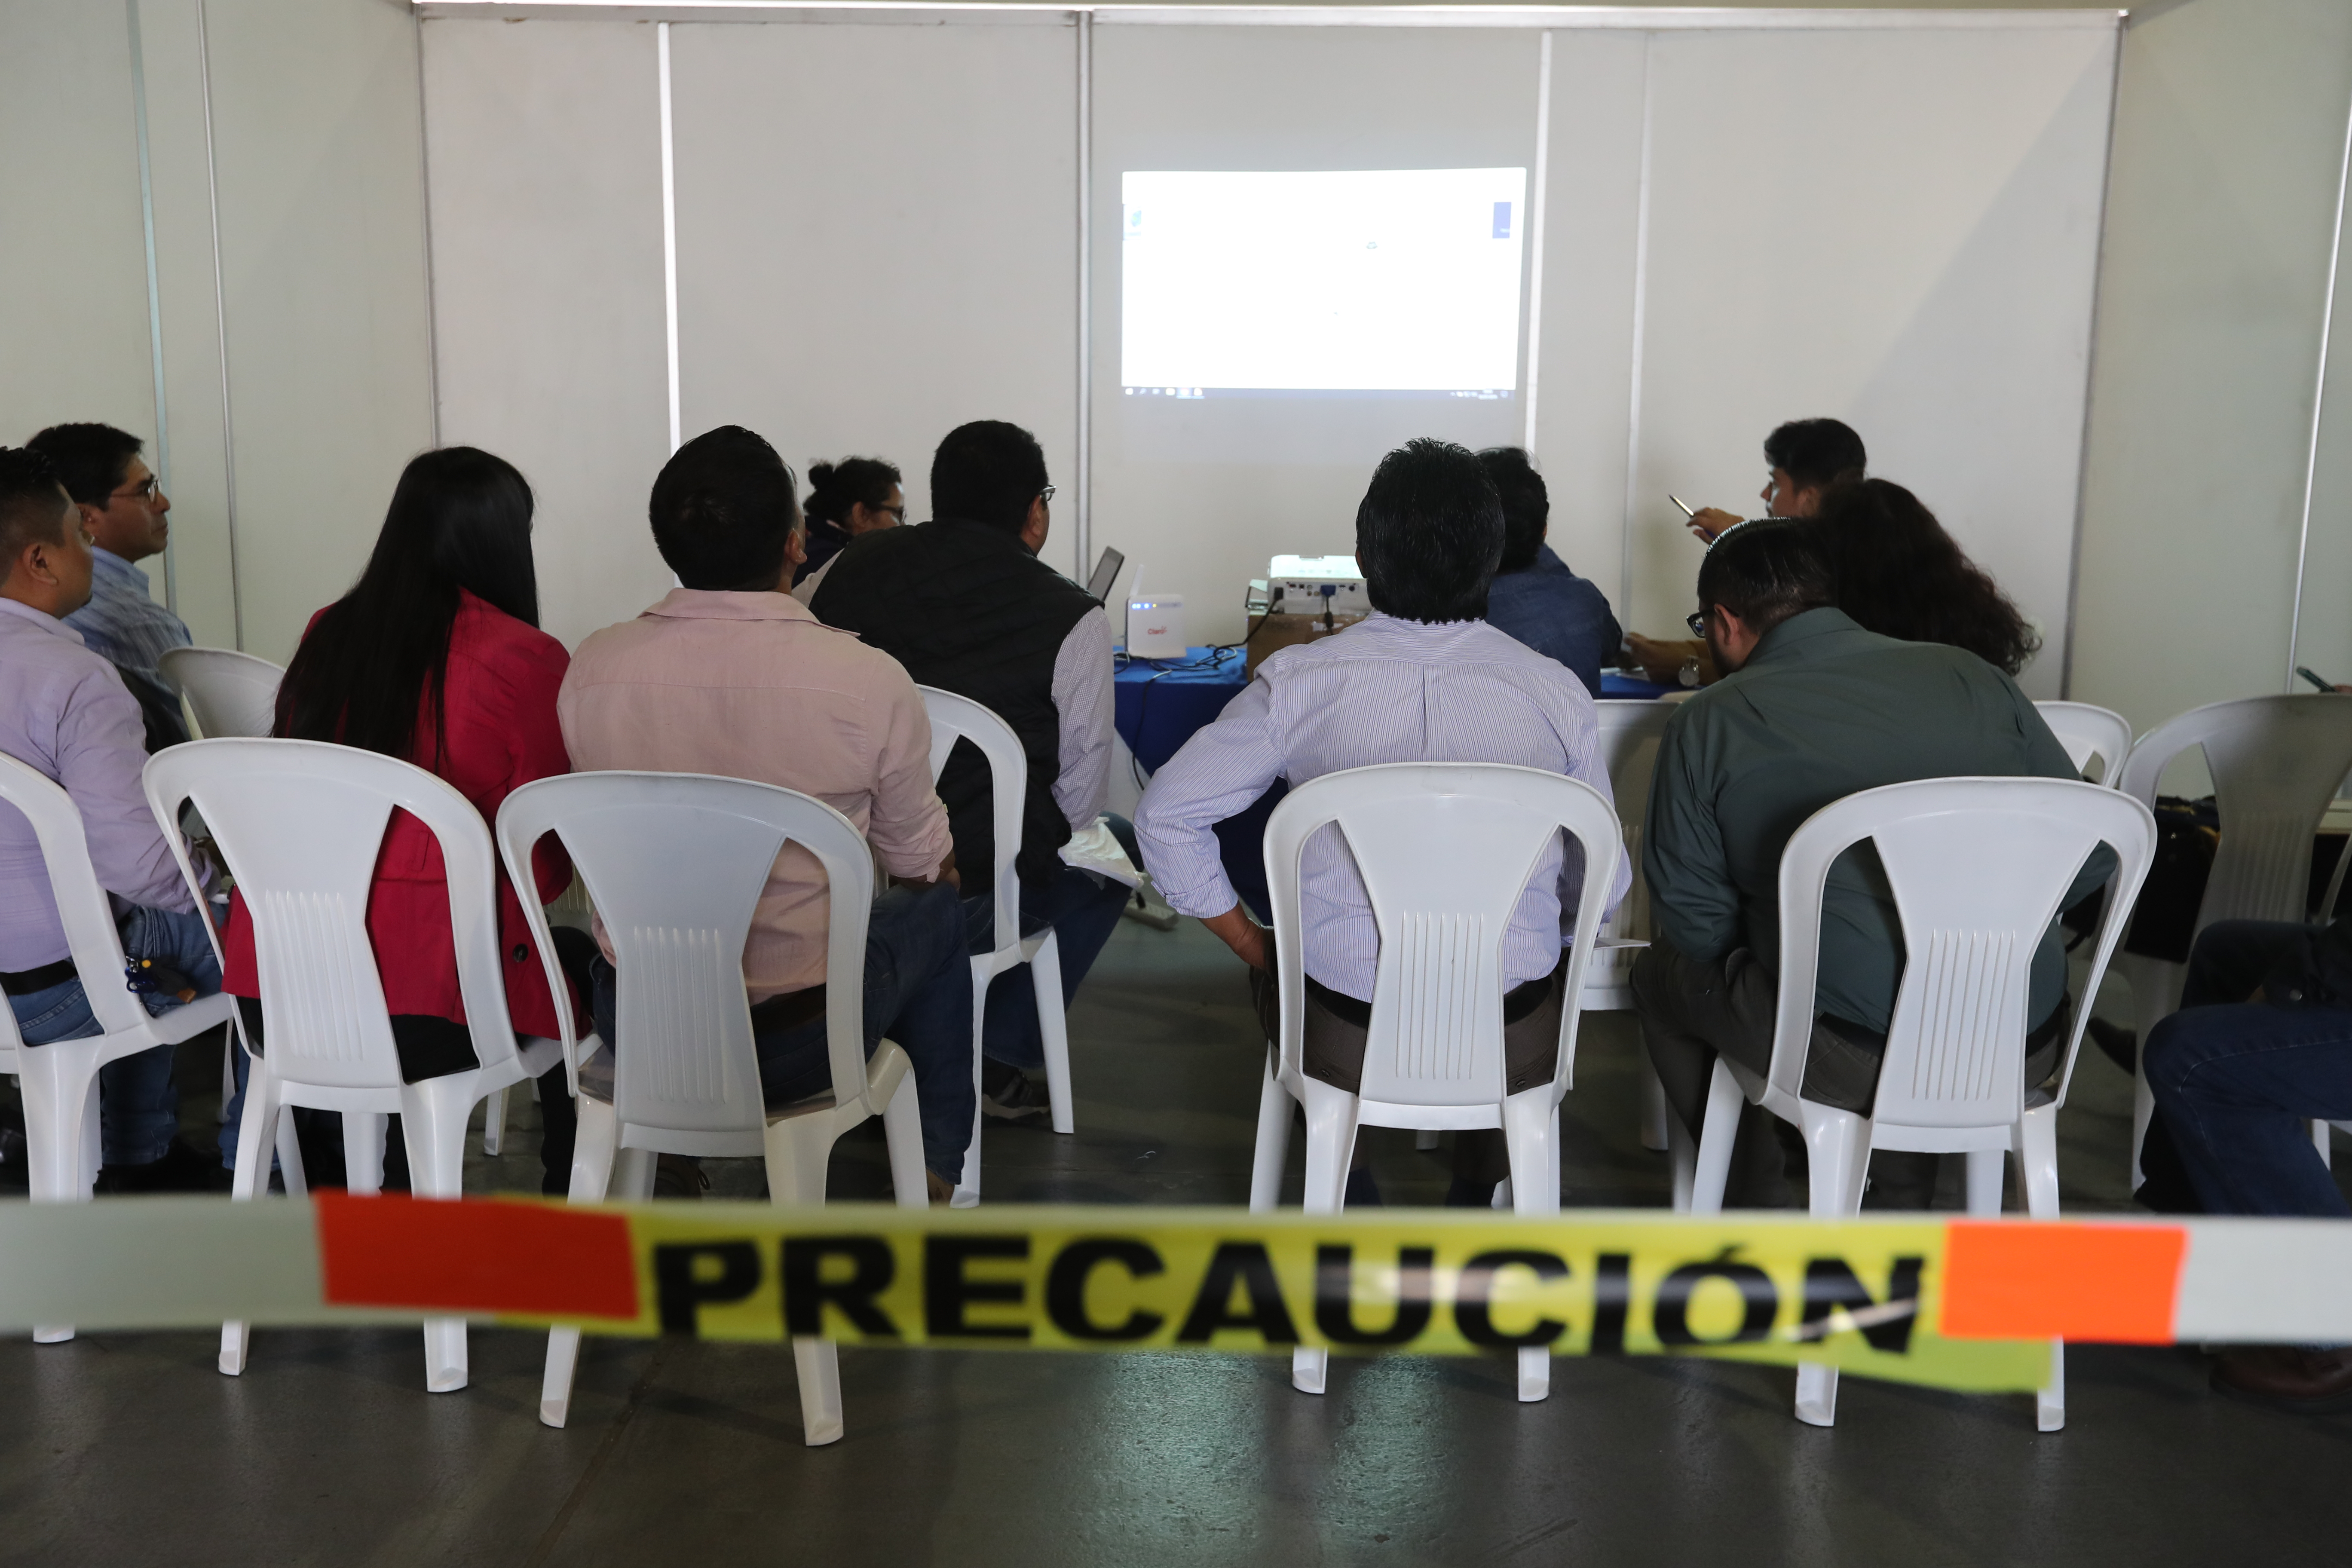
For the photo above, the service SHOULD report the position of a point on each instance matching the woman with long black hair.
(1901, 575)
(436, 657)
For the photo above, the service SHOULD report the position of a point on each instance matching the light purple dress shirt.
(1384, 690)
(66, 713)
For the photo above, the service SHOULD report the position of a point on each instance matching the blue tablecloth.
(1615, 685)
(1162, 701)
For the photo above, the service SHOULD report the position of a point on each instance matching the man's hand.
(1242, 934)
(1660, 661)
(947, 873)
(1709, 521)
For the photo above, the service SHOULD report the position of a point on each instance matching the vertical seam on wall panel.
(669, 231)
(424, 192)
(2090, 383)
(2318, 403)
(220, 318)
(1085, 290)
(1641, 309)
(154, 296)
(1535, 229)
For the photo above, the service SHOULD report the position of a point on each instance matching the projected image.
(1397, 281)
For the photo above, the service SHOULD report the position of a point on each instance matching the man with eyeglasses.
(124, 511)
(965, 605)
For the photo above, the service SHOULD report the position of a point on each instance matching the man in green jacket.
(1811, 708)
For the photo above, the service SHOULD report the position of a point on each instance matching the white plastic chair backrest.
(1977, 867)
(2276, 761)
(229, 693)
(2087, 730)
(300, 824)
(675, 864)
(955, 717)
(82, 905)
(1445, 850)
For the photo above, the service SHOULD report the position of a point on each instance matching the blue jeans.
(918, 992)
(138, 1104)
(2237, 1083)
(1083, 909)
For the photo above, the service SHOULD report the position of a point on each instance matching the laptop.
(1106, 573)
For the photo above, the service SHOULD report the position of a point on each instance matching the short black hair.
(32, 507)
(723, 512)
(1816, 452)
(1526, 504)
(1766, 571)
(1429, 533)
(988, 471)
(89, 459)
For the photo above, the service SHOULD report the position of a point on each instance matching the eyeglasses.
(1697, 621)
(898, 512)
(144, 490)
(1045, 494)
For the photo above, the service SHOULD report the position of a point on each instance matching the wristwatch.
(1688, 674)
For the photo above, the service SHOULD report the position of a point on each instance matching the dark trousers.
(918, 992)
(2237, 1083)
(1083, 909)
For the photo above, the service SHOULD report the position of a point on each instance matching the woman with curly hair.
(1901, 575)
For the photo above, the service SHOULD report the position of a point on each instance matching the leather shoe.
(2286, 1378)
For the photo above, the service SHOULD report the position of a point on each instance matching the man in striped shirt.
(126, 514)
(1423, 679)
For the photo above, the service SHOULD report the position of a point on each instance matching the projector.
(1309, 584)
(1155, 626)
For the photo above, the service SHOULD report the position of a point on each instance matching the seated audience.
(126, 513)
(728, 675)
(854, 496)
(1811, 708)
(1534, 597)
(1802, 459)
(1424, 677)
(965, 605)
(65, 713)
(2261, 1048)
(435, 657)
(1901, 575)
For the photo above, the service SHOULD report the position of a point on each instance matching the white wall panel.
(877, 241)
(544, 146)
(1898, 228)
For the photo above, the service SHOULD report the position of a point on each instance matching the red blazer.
(502, 734)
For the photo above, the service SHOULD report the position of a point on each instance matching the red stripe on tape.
(475, 1255)
(2022, 1280)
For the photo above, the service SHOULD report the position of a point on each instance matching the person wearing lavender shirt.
(64, 711)
(1423, 679)
(123, 506)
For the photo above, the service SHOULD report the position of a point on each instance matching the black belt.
(24, 982)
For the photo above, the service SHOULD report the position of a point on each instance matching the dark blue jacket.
(1558, 614)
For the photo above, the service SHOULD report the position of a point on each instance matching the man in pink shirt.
(729, 675)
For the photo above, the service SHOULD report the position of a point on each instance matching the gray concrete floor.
(130, 1448)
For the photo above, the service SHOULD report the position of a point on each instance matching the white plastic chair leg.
(228, 1072)
(59, 1084)
(256, 1133)
(1712, 1169)
(1837, 1149)
(494, 1121)
(2319, 1139)
(1531, 1132)
(1330, 1144)
(902, 1134)
(1046, 975)
(1273, 1143)
(289, 1159)
(798, 1150)
(1657, 1132)
(2156, 992)
(2037, 1159)
(1424, 1139)
(363, 1139)
(818, 1361)
(434, 1117)
(1985, 1169)
(591, 1170)
(967, 1192)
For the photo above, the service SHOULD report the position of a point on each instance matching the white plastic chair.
(223, 692)
(2087, 732)
(955, 717)
(60, 1081)
(1630, 731)
(300, 824)
(1445, 850)
(2276, 763)
(676, 864)
(1978, 868)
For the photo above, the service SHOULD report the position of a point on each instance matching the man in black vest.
(965, 605)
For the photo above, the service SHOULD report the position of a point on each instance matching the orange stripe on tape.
(2022, 1280)
(475, 1255)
